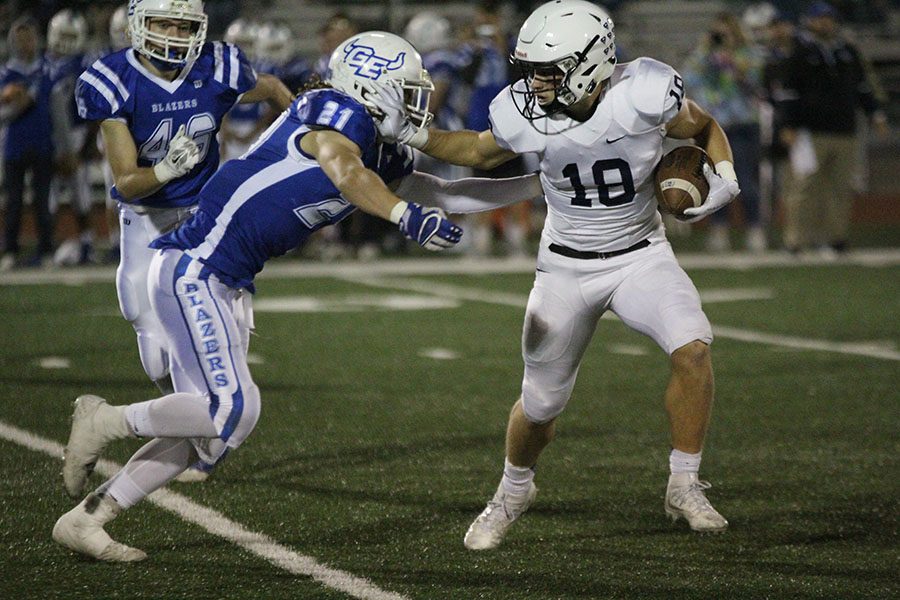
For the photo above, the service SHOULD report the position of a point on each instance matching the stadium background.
(378, 444)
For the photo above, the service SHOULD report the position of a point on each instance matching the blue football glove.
(429, 227)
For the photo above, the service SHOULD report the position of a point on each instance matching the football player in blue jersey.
(160, 104)
(316, 164)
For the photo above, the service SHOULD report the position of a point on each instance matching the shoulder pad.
(655, 90)
(331, 109)
(228, 65)
(100, 92)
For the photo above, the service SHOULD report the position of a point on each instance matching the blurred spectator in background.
(67, 36)
(336, 29)
(487, 72)
(275, 49)
(724, 74)
(25, 109)
(118, 39)
(773, 35)
(244, 122)
(825, 83)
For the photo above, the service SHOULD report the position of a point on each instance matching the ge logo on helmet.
(368, 64)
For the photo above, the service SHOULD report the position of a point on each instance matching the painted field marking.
(453, 265)
(219, 525)
(870, 349)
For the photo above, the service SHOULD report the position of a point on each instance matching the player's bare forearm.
(692, 121)
(365, 190)
(132, 182)
(340, 160)
(476, 149)
(269, 89)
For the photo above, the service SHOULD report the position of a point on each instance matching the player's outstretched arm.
(134, 182)
(340, 160)
(692, 121)
(269, 89)
(470, 194)
(476, 149)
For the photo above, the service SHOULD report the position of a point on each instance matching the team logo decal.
(368, 64)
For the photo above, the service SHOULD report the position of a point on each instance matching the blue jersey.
(119, 87)
(270, 200)
(29, 134)
(64, 72)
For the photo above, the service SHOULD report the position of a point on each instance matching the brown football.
(679, 180)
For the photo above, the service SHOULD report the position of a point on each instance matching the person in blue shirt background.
(320, 161)
(25, 109)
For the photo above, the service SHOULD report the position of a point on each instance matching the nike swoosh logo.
(614, 140)
(540, 270)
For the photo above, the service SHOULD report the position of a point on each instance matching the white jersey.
(597, 175)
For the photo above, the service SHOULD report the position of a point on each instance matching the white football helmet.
(428, 31)
(118, 28)
(379, 56)
(67, 33)
(244, 34)
(274, 43)
(569, 38)
(175, 50)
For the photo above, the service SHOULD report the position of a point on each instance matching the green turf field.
(372, 457)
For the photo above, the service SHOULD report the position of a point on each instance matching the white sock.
(157, 463)
(516, 480)
(178, 415)
(682, 462)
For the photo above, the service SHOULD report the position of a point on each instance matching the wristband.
(398, 211)
(419, 139)
(725, 170)
(163, 172)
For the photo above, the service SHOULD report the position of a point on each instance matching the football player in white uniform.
(598, 128)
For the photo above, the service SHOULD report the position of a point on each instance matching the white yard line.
(217, 524)
(872, 350)
(455, 265)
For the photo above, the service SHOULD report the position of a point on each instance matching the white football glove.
(722, 190)
(394, 126)
(182, 156)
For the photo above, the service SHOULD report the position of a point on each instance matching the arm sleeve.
(657, 92)
(469, 195)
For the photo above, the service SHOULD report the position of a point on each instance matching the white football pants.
(647, 289)
(206, 332)
(138, 226)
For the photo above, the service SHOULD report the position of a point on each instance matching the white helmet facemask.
(569, 43)
(172, 51)
(379, 56)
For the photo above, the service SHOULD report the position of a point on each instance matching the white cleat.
(94, 425)
(81, 530)
(685, 498)
(487, 531)
(192, 475)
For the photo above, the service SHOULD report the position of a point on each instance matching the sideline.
(217, 524)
